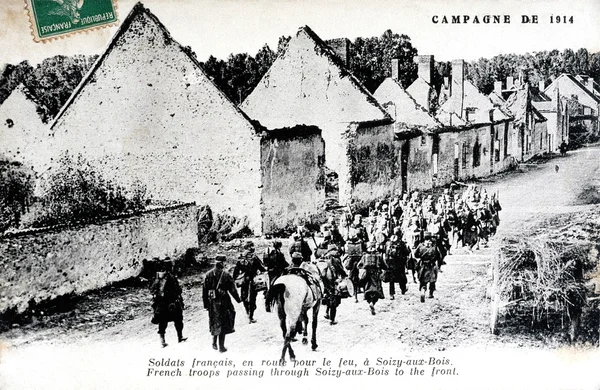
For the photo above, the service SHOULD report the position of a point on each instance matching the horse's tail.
(276, 291)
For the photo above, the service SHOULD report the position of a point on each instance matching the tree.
(372, 59)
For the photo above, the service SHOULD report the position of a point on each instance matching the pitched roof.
(420, 90)
(403, 107)
(22, 90)
(573, 80)
(586, 80)
(520, 105)
(309, 85)
(475, 100)
(140, 11)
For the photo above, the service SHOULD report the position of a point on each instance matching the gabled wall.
(148, 113)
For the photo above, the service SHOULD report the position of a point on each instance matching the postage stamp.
(57, 18)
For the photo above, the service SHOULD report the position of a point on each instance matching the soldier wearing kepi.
(247, 267)
(218, 285)
(428, 257)
(396, 253)
(167, 303)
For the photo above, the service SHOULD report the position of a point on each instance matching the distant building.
(478, 136)
(146, 112)
(584, 118)
(529, 125)
(23, 130)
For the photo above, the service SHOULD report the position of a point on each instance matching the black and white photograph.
(238, 194)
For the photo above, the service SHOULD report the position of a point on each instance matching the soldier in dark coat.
(332, 297)
(167, 303)
(354, 253)
(274, 261)
(396, 253)
(372, 262)
(247, 267)
(428, 257)
(301, 246)
(218, 284)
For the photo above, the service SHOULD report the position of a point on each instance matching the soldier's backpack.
(394, 249)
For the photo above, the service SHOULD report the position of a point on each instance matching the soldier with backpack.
(354, 253)
(396, 256)
(218, 285)
(167, 303)
(369, 270)
(247, 267)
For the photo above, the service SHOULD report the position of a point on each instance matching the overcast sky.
(221, 27)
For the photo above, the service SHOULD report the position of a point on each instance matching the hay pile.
(543, 277)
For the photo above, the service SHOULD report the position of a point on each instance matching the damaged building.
(309, 85)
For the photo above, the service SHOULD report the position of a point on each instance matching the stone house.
(477, 138)
(23, 130)
(309, 85)
(415, 130)
(529, 125)
(146, 112)
(584, 120)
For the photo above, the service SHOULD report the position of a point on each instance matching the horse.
(294, 297)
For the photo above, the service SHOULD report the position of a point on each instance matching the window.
(423, 140)
(465, 155)
(476, 154)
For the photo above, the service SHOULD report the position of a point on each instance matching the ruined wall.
(48, 263)
(375, 162)
(419, 163)
(293, 182)
(148, 113)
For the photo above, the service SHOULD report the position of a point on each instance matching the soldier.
(372, 263)
(301, 246)
(354, 253)
(167, 303)
(218, 285)
(397, 254)
(274, 261)
(332, 296)
(247, 267)
(428, 257)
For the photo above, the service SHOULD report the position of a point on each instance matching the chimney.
(542, 85)
(396, 69)
(510, 81)
(589, 84)
(498, 88)
(342, 48)
(425, 64)
(457, 89)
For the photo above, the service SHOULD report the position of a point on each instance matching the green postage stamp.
(58, 18)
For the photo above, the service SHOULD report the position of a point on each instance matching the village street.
(454, 325)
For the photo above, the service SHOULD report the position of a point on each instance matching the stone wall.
(419, 163)
(47, 263)
(293, 182)
(375, 162)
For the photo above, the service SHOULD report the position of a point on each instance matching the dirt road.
(452, 326)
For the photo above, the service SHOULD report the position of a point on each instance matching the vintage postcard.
(232, 194)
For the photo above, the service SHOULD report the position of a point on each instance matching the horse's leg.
(314, 325)
(305, 328)
(286, 345)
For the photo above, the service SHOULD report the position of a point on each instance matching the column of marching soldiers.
(409, 234)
